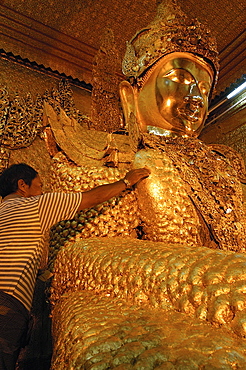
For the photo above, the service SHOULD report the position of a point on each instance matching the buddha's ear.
(127, 99)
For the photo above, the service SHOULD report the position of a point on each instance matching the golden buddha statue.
(166, 301)
(189, 195)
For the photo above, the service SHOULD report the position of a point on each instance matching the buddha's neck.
(166, 133)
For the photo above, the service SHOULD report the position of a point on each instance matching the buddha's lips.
(189, 114)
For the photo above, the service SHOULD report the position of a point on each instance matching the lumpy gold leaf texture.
(144, 305)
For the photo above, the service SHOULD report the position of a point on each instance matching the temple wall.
(230, 131)
(21, 80)
(26, 80)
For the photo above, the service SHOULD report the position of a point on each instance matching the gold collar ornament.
(212, 183)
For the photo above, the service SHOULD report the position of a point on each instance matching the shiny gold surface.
(105, 107)
(164, 279)
(121, 302)
(191, 181)
(114, 335)
(174, 94)
(118, 216)
(191, 200)
(204, 283)
(165, 208)
(65, 36)
(21, 119)
(170, 31)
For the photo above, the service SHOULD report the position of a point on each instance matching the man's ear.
(127, 99)
(21, 183)
(22, 186)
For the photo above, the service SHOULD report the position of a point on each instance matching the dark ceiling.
(65, 35)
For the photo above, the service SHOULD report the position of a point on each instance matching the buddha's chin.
(188, 125)
(180, 125)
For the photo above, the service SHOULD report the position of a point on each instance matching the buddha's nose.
(194, 96)
(195, 100)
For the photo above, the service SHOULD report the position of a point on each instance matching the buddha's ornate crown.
(171, 31)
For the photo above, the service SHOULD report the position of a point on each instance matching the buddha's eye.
(180, 76)
(204, 88)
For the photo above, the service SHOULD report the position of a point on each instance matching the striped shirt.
(24, 223)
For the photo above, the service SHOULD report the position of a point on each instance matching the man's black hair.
(9, 178)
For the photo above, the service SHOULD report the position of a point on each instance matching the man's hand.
(133, 176)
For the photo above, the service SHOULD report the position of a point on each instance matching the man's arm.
(104, 192)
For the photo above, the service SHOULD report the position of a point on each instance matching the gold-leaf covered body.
(114, 291)
(117, 217)
(166, 211)
(113, 335)
(193, 194)
(167, 302)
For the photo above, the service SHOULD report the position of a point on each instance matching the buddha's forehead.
(187, 61)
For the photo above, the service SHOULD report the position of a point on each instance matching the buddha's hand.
(136, 175)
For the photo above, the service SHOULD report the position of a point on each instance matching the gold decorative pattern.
(82, 145)
(62, 99)
(113, 335)
(20, 122)
(211, 183)
(4, 108)
(199, 281)
(19, 107)
(21, 118)
(4, 158)
(233, 157)
(105, 107)
(171, 31)
(23, 124)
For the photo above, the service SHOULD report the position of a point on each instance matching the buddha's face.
(174, 95)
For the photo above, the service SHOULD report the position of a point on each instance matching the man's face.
(175, 95)
(35, 188)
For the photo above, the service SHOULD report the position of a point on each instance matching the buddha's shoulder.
(233, 157)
